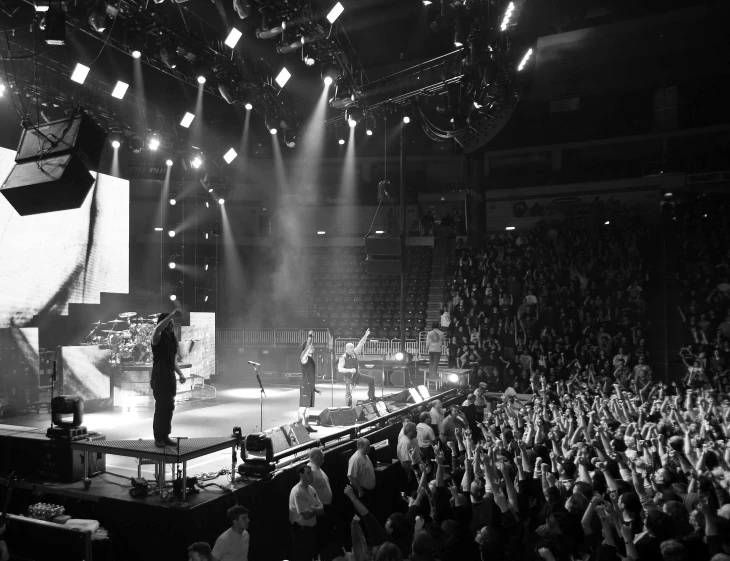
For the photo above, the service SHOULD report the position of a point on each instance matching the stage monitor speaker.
(53, 165)
(337, 416)
(397, 377)
(381, 453)
(296, 434)
(401, 397)
(279, 440)
(383, 265)
(366, 412)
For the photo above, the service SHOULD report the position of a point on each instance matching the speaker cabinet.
(338, 416)
(49, 177)
(296, 434)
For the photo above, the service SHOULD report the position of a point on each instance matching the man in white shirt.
(360, 470)
(304, 507)
(409, 455)
(426, 436)
(232, 545)
(321, 482)
(435, 340)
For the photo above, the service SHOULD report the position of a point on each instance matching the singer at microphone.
(307, 387)
(254, 363)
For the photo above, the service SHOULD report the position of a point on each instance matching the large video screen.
(48, 261)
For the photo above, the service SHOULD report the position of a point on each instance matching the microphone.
(254, 363)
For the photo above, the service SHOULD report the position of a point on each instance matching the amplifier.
(34, 454)
(337, 416)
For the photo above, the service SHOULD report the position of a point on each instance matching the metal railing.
(294, 337)
(269, 337)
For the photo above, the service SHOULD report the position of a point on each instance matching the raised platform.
(186, 449)
(163, 525)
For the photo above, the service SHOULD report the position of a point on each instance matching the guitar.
(4, 553)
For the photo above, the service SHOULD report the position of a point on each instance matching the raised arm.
(361, 344)
(307, 346)
(162, 325)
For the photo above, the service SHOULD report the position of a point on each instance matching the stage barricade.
(229, 337)
(378, 347)
(258, 336)
(288, 336)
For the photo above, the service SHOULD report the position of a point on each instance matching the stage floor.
(214, 417)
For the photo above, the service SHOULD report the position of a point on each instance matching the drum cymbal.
(153, 316)
(116, 321)
(127, 314)
(98, 322)
(110, 331)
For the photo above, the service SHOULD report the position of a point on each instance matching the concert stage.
(164, 526)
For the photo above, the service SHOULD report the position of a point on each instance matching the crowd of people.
(704, 282)
(585, 456)
(566, 301)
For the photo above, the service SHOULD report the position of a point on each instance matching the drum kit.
(128, 337)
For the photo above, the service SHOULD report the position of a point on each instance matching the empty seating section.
(348, 300)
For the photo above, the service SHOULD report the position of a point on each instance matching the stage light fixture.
(225, 94)
(353, 116)
(40, 7)
(158, 229)
(230, 156)
(290, 139)
(427, 2)
(270, 121)
(136, 144)
(116, 144)
(206, 298)
(169, 57)
(369, 126)
(242, 8)
(283, 77)
(221, 201)
(173, 297)
(321, 232)
(308, 60)
(399, 356)
(97, 19)
(329, 74)
(454, 378)
(510, 228)
(380, 231)
(335, 12)
(172, 264)
(120, 89)
(273, 130)
(458, 34)
(196, 162)
(267, 29)
(171, 233)
(80, 73)
(340, 135)
(527, 56)
(507, 16)
(169, 163)
(55, 27)
(173, 201)
(154, 143)
(233, 38)
(289, 41)
(202, 73)
(187, 120)
(406, 119)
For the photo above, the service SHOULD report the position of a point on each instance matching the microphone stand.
(262, 395)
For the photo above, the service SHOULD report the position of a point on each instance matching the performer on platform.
(164, 368)
(307, 387)
(348, 365)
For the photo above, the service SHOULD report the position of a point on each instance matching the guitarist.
(307, 387)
